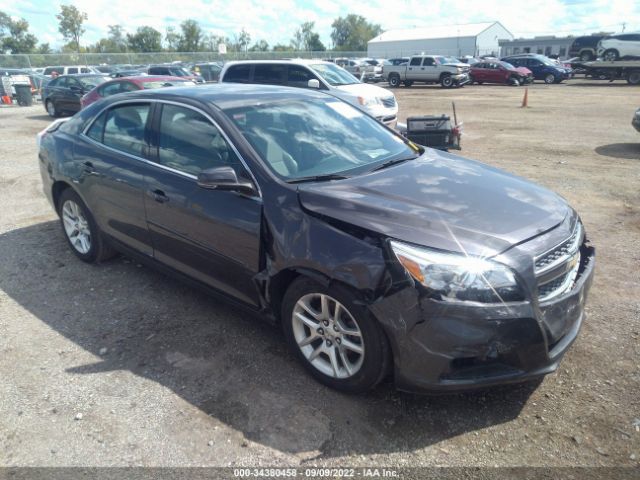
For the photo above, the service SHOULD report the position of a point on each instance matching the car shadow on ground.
(44, 116)
(230, 365)
(628, 151)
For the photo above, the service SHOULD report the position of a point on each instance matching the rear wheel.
(394, 80)
(610, 55)
(334, 336)
(80, 229)
(52, 110)
(586, 56)
(633, 78)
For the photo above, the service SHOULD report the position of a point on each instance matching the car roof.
(83, 75)
(296, 61)
(228, 95)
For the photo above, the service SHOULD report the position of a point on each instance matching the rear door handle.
(159, 196)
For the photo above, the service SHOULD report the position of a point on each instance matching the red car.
(130, 84)
(495, 71)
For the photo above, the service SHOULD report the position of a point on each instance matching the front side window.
(190, 143)
(299, 76)
(428, 62)
(125, 127)
(72, 70)
(110, 89)
(305, 138)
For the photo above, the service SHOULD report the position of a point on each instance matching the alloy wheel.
(76, 227)
(328, 335)
(51, 109)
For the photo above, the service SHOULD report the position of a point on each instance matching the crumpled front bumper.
(441, 346)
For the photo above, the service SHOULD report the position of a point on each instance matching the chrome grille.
(557, 268)
(388, 102)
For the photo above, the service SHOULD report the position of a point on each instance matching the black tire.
(610, 55)
(514, 81)
(633, 77)
(446, 81)
(586, 56)
(377, 356)
(99, 250)
(480, 83)
(394, 80)
(408, 83)
(549, 78)
(52, 109)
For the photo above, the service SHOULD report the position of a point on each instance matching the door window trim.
(84, 135)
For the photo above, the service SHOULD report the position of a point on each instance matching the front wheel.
(334, 336)
(394, 81)
(80, 229)
(446, 81)
(515, 81)
(550, 78)
(52, 110)
(610, 55)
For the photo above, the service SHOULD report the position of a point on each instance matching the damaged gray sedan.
(375, 256)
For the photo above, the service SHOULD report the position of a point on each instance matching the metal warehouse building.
(456, 40)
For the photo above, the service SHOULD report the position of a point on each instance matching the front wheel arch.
(56, 191)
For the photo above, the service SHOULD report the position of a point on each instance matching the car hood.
(363, 90)
(441, 201)
(524, 70)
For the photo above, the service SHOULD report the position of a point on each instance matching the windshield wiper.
(318, 178)
(394, 161)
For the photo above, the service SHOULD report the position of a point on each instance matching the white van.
(324, 76)
(70, 70)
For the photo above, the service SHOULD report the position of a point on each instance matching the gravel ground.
(119, 365)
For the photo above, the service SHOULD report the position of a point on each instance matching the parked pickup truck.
(448, 72)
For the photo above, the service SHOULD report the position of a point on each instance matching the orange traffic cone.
(6, 99)
(525, 99)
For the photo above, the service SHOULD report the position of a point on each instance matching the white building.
(455, 40)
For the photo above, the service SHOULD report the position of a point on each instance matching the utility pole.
(624, 25)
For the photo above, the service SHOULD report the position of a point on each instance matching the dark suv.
(543, 68)
(585, 48)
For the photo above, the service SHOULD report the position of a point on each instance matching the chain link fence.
(42, 60)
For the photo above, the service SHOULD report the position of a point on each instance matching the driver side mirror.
(223, 178)
(314, 83)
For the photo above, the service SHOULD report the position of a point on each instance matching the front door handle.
(159, 196)
(88, 167)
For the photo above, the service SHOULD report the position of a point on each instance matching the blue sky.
(276, 20)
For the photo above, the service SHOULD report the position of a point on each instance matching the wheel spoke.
(354, 347)
(336, 313)
(324, 306)
(316, 352)
(312, 324)
(309, 339)
(307, 308)
(334, 361)
(345, 361)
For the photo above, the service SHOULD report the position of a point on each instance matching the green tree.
(145, 39)
(172, 39)
(260, 46)
(71, 20)
(191, 38)
(280, 47)
(351, 33)
(44, 48)
(306, 39)
(15, 36)
(242, 41)
(213, 40)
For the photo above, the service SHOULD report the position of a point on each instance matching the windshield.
(334, 75)
(167, 83)
(507, 65)
(179, 72)
(547, 61)
(445, 60)
(90, 82)
(316, 137)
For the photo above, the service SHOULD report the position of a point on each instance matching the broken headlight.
(455, 277)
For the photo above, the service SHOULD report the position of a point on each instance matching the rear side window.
(270, 74)
(415, 61)
(111, 89)
(124, 128)
(85, 70)
(190, 143)
(238, 74)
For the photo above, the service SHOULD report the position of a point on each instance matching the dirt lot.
(119, 365)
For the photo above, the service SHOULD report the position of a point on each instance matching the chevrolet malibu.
(374, 255)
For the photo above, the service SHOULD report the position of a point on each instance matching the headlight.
(454, 277)
(367, 102)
